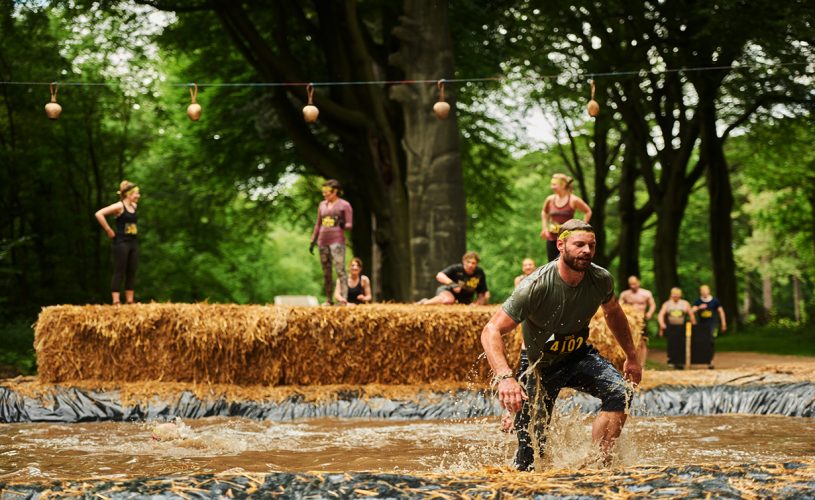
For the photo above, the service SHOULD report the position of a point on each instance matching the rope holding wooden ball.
(441, 108)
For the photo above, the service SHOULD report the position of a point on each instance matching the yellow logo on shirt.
(472, 283)
(707, 314)
(329, 221)
(131, 229)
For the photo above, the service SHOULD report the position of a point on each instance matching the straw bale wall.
(271, 345)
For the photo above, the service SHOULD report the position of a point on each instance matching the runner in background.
(557, 209)
(642, 301)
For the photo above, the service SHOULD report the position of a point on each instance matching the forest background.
(695, 176)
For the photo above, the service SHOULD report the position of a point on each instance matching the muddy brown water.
(31, 452)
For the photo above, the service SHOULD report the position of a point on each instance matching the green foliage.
(779, 337)
(18, 347)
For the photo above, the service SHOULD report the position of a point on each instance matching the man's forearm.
(493, 345)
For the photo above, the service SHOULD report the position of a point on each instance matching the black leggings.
(552, 252)
(125, 262)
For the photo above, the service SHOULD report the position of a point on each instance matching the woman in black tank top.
(125, 239)
(358, 285)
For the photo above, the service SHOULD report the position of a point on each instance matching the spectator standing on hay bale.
(125, 248)
(460, 283)
(642, 301)
(358, 286)
(555, 305)
(557, 209)
(334, 217)
(672, 317)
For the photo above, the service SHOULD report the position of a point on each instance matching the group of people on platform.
(554, 303)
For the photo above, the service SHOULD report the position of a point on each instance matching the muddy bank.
(71, 404)
(788, 480)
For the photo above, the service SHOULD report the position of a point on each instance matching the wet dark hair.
(333, 184)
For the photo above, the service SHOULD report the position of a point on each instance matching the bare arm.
(618, 323)
(366, 289)
(579, 204)
(317, 225)
(723, 319)
(337, 295)
(348, 217)
(652, 306)
(691, 312)
(510, 393)
(443, 279)
(101, 214)
(545, 219)
(661, 316)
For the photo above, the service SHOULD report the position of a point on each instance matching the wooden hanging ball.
(194, 111)
(310, 113)
(53, 109)
(593, 108)
(442, 109)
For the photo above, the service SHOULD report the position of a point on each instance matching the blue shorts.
(585, 370)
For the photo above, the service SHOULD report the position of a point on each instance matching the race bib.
(131, 229)
(566, 343)
(707, 314)
(329, 221)
(554, 227)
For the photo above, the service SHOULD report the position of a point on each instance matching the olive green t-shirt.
(555, 316)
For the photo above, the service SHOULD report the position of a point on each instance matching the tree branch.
(174, 7)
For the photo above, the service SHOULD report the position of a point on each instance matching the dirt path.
(730, 360)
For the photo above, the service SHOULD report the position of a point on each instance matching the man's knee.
(447, 298)
(616, 399)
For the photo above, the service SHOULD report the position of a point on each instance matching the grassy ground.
(781, 338)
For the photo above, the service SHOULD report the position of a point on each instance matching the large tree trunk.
(721, 207)
(666, 247)
(631, 219)
(434, 179)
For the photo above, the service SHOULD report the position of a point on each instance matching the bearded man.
(555, 304)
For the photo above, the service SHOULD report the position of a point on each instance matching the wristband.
(499, 378)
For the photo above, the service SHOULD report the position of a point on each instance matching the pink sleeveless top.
(559, 215)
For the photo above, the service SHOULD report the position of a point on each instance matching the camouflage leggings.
(333, 254)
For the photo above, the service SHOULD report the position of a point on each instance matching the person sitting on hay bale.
(460, 283)
(555, 304)
(358, 285)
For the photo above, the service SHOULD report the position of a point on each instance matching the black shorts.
(587, 371)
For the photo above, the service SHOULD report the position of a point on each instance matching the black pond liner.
(787, 480)
(68, 405)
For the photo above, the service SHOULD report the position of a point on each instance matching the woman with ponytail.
(557, 209)
(125, 239)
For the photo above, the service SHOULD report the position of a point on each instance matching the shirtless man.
(642, 301)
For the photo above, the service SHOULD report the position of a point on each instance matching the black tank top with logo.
(126, 226)
(354, 292)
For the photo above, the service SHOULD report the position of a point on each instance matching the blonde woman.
(125, 239)
(559, 207)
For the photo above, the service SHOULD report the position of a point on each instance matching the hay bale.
(268, 345)
(600, 335)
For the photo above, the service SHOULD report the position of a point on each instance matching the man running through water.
(641, 300)
(555, 304)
